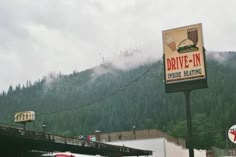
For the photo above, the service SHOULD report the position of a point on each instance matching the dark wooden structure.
(17, 142)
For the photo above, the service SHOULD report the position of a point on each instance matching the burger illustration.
(187, 45)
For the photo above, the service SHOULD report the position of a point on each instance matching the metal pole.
(189, 123)
(134, 132)
(24, 123)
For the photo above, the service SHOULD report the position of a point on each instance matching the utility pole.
(44, 127)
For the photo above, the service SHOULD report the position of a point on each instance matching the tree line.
(82, 102)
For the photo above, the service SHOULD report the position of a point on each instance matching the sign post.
(189, 122)
(184, 66)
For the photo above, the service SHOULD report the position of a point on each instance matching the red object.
(63, 155)
(89, 138)
(234, 133)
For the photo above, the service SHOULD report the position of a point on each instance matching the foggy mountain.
(114, 97)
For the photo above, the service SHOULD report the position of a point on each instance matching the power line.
(104, 97)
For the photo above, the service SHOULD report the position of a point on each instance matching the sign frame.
(184, 67)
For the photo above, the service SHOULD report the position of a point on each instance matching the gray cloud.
(37, 38)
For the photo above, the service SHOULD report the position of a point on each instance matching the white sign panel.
(24, 116)
(183, 54)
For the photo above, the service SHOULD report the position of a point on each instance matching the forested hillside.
(109, 99)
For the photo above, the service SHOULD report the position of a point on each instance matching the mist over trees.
(110, 99)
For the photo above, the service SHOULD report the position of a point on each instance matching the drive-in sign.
(184, 58)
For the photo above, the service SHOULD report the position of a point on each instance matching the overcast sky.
(40, 37)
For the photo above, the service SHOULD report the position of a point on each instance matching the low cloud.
(49, 81)
(127, 60)
(221, 57)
